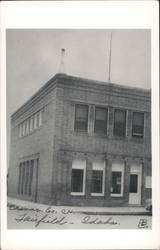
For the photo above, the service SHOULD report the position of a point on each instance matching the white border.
(85, 14)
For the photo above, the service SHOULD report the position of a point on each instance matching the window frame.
(99, 168)
(135, 135)
(81, 131)
(126, 116)
(118, 167)
(29, 125)
(107, 114)
(20, 130)
(81, 165)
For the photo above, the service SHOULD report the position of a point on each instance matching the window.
(100, 120)
(117, 179)
(35, 121)
(98, 175)
(26, 170)
(24, 128)
(27, 127)
(77, 180)
(20, 130)
(30, 124)
(148, 182)
(119, 122)
(138, 124)
(78, 177)
(81, 118)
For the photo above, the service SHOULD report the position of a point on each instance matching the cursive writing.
(67, 211)
(21, 208)
(44, 219)
(90, 220)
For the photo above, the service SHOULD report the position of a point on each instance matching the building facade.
(82, 142)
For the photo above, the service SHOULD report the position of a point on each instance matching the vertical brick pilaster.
(127, 179)
(110, 121)
(35, 179)
(129, 124)
(108, 171)
(68, 183)
(88, 178)
(91, 119)
(64, 191)
(143, 189)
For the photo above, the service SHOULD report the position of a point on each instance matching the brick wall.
(58, 144)
(39, 142)
(83, 144)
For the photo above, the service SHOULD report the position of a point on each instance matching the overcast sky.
(33, 57)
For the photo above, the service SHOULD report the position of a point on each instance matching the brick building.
(82, 142)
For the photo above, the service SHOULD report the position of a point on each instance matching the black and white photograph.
(80, 129)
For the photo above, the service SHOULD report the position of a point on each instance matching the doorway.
(135, 184)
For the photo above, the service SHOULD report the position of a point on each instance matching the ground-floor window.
(98, 177)
(117, 179)
(78, 177)
(26, 170)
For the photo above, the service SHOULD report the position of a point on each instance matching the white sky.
(33, 57)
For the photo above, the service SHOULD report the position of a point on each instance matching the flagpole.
(110, 58)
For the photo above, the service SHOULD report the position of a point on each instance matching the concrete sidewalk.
(86, 210)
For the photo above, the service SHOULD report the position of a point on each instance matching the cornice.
(67, 81)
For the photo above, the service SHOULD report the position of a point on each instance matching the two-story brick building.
(82, 142)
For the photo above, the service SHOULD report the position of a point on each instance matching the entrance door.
(135, 184)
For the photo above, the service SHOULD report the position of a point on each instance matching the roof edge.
(50, 83)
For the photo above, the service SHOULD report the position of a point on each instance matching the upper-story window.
(119, 122)
(81, 118)
(100, 125)
(30, 124)
(138, 124)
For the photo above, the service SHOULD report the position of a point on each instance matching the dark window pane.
(138, 118)
(38, 114)
(23, 178)
(31, 176)
(20, 178)
(81, 117)
(100, 120)
(26, 177)
(120, 122)
(77, 180)
(116, 182)
(97, 181)
(138, 124)
(133, 183)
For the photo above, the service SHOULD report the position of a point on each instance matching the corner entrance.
(135, 184)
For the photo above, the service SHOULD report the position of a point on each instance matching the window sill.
(97, 194)
(77, 194)
(116, 195)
